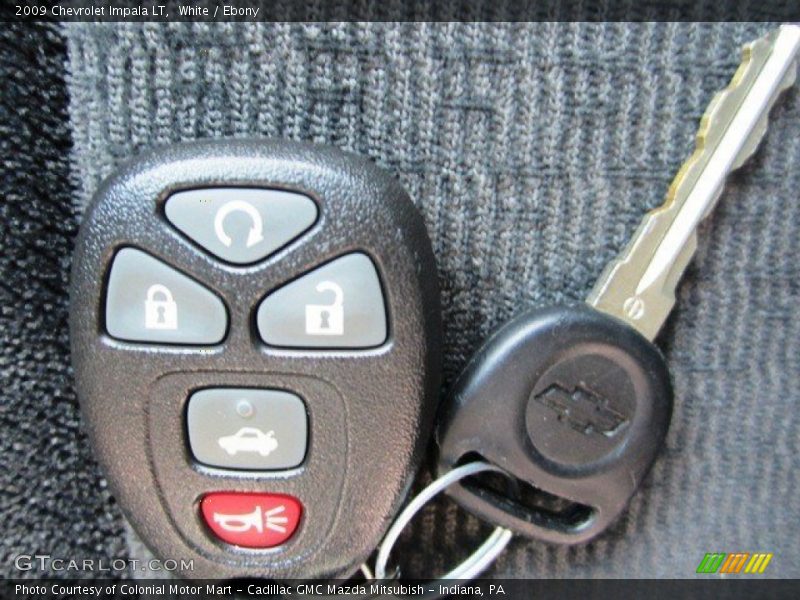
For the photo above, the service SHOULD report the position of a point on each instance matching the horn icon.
(275, 522)
(240, 523)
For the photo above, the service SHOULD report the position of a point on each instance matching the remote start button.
(241, 225)
(251, 520)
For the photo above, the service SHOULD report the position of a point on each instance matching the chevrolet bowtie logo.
(582, 409)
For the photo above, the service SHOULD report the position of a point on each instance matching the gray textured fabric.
(53, 498)
(532, 150)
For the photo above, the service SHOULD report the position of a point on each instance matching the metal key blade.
(639, 286)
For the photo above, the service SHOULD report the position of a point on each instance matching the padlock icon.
(160, 309)
(326, 319)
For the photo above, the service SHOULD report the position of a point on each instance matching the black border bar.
(221, 11)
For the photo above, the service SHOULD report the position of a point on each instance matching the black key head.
(574, 406)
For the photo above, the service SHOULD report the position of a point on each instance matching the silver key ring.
(472, 566)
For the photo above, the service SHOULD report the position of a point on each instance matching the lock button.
(338, 305)
(149, 301)
(160, 314)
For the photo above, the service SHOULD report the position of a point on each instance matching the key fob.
(255, 331)
(573, 405)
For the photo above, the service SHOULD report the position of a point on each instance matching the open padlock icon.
(160, 309)
(326, 319)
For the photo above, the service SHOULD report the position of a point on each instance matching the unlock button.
(337, 305)
(326, 319)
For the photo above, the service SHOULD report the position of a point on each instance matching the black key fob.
(255, 333)
(573, 406)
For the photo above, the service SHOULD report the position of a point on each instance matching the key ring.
(472, 566)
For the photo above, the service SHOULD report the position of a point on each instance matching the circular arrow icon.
(256, 230)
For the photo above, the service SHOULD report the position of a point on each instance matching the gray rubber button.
(338, 305)
(241, 428)
(149, 301)
(241, 225)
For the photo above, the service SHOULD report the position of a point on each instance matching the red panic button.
(251, 520)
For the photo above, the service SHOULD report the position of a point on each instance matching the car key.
(255, 333)
(573, 403)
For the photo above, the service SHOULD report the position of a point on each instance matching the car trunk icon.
(249, 439)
